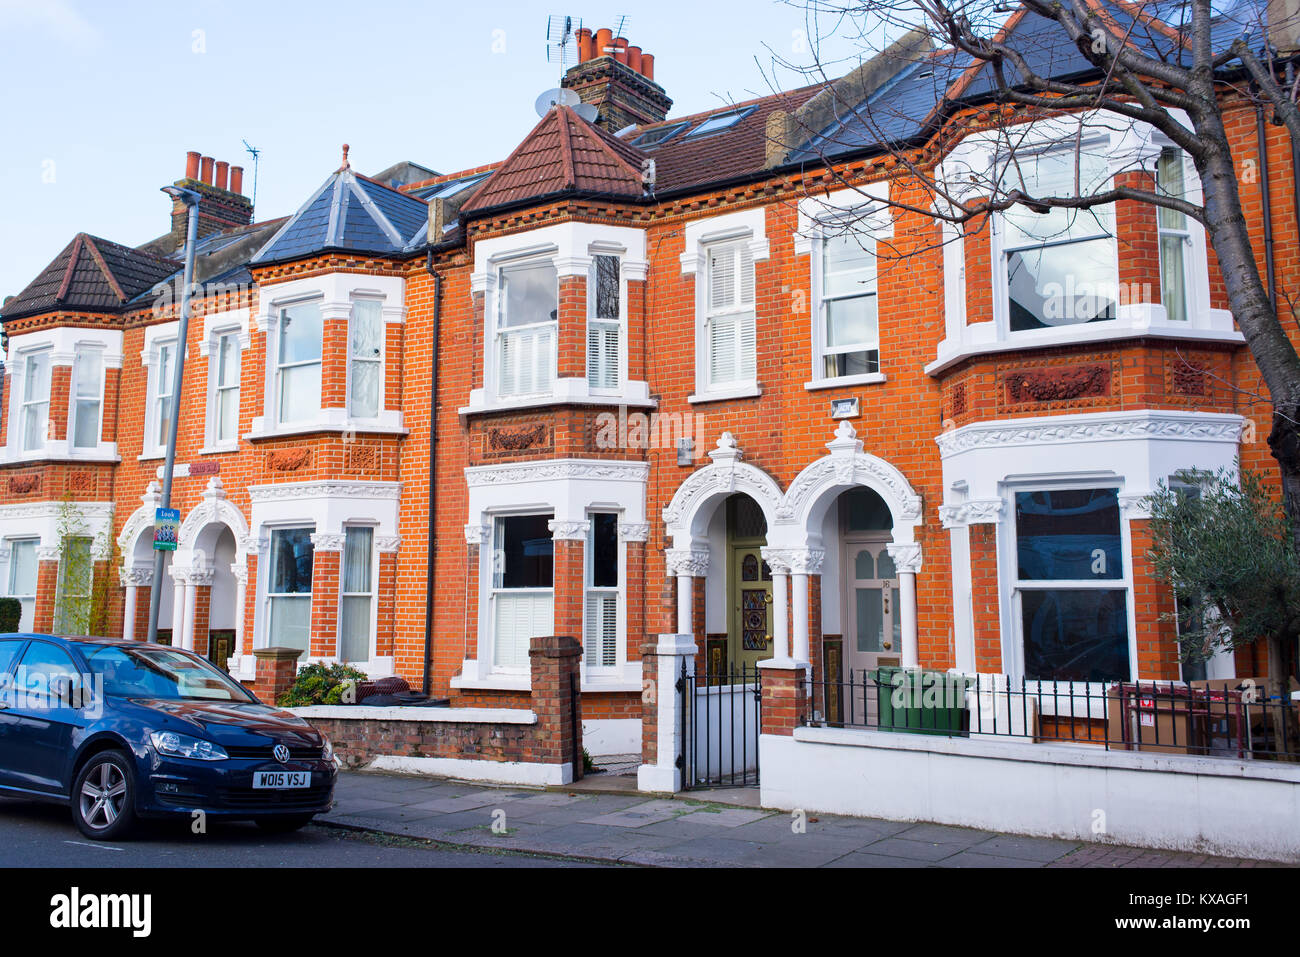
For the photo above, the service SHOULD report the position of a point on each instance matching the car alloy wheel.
(102, 798)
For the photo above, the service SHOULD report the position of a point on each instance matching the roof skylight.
(657, 136)
(720, 121)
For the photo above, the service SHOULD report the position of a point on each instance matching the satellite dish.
(587, 111)
(556, 97)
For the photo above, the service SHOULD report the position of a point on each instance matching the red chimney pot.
(586, 45)
(648, 65)
(634, 58)
(223, 168)
(192, 165)
(604, 37)
(620, 49)
(205, 170)
(237, 180)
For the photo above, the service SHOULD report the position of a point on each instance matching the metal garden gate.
(721, 717)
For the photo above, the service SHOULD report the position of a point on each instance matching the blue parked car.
(123, 730)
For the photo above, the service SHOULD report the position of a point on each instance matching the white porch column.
(178, 606)
(780, 565)
(687, 564)
(803, 562)
(240, 571)
(907, 561)
(128, 614)
(133, 578)
(187, 623)
(673, 652)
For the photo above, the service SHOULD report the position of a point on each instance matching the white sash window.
(527, 324)
(730, 316)
(605, 324)
(523, 595)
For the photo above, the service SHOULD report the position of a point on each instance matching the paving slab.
(639, 815)
(921, 852)
(973, 858)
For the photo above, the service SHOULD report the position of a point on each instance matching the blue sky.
(99, 101)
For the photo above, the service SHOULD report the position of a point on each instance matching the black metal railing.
(1229, 719)
(721, 718)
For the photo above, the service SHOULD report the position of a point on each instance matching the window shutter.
(722, 348)
(602, 355)
(722, 278)
(602, 630)
(748, 345)
(509, 365)
(746, 275)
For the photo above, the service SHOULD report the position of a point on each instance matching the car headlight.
(327, 750)
(174, 745)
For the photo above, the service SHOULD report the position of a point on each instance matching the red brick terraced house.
(638, 379)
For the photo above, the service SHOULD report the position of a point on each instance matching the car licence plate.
(282, 779)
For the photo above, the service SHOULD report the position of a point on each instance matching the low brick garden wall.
(541, 745)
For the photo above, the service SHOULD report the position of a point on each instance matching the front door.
(751, 608)
(872, 625)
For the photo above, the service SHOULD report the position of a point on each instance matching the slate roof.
(348, 212)
(91, 275)
(563, 154)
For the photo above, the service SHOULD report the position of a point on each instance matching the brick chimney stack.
(617, 79)
(223, 204)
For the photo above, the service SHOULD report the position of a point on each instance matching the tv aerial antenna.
(559, 34)
(255, 154)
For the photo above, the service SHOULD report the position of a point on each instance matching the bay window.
(523, 579)
(298, 362)
(730, 318)
(527, 328)
(357, 594)
(1073, 598)
(847, 308)
(1059, 265)
(365, 358)
(602, 591)
(604, 324)
(87, 398)
(1175, 235)
(35, 415)
(22, 579)
(288, 589)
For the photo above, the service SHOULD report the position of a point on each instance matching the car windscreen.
(159, 673)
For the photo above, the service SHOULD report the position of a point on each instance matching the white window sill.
(866, 378)
(566, 392)
(596, 684)
(59, 452)
(493, 683)
(151, 456)
(307, 428)
(1140, 320)
(750, 390)
(219, 449)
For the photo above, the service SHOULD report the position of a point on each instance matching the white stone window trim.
(985, 463)
(7, 544)
(216, 326)
(63, 343)
(569, 490)
(336, 293)
(155, 337)
(1128, 145)
(876, 222)
(328, 505)
(750, 226)
(572, 247)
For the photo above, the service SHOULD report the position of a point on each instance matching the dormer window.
(528, 305)
(298, 365)
(719, 122)
(1059, 265)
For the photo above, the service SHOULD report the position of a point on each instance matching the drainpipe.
(1266, 202)
(433, 474)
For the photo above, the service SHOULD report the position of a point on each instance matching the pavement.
(603, 820)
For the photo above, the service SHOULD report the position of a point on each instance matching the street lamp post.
(191, 199)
